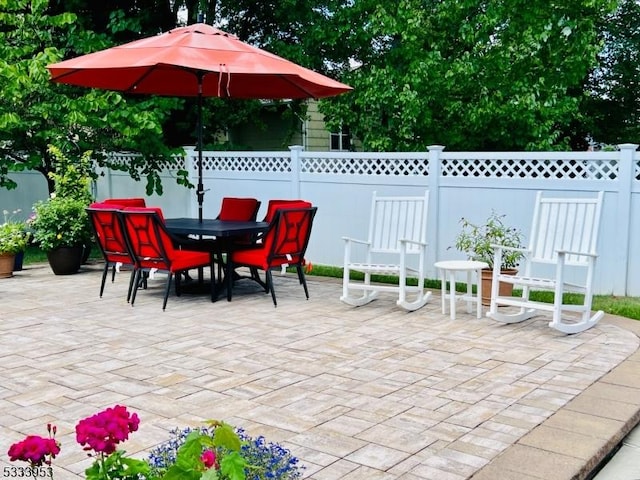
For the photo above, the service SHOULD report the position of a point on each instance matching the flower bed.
(215, 452)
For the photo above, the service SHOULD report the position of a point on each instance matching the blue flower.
(265, 460)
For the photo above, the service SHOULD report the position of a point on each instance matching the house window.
(341, 140)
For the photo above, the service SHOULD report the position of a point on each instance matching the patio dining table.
(226, 232)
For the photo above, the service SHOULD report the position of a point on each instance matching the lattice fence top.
(178, 163)
(318, 164)
(244, 163)
(522, 165)
(531, 168)
(380, 166)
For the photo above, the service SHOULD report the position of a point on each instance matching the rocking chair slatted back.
(565, 224)
(564, 233)
(398, 218)
(396, 246)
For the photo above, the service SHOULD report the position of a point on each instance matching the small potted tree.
(61, 225)
(476, 240)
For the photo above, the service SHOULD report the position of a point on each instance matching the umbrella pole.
(200, 192)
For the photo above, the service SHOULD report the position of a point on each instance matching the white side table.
(450, 267)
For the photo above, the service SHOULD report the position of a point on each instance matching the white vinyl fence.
(461, 184)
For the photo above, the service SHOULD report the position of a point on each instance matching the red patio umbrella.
(195, 61)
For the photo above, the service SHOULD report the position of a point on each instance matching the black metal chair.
(284, 244)
(111, 238)
(153, 248)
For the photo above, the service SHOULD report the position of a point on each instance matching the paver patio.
(355, 393)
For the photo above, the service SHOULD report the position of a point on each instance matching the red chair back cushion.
(158, 210)
(150, 242)
(276, 203)
(284, 243)
(126, 202)
(291, 234)
(239, 209)
(109, 232)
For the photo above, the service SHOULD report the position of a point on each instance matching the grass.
(33, 254)
(623, 306)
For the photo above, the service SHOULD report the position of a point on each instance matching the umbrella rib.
(131, 88)
(65, 74)
(293, 84)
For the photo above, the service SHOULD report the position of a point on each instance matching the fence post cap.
(628, 146)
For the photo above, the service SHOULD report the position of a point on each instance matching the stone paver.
(371, 392)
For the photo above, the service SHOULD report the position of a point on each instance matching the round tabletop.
(460, 265)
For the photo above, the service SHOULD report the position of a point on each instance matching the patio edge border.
(542, 455)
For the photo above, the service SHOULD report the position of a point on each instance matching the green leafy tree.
(36, 113)
(468, 74)
(612, 107)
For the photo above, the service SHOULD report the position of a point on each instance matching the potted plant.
(61, 225)
(476, 241)
(62, 229)
(13, 240)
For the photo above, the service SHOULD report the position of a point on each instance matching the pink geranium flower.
(104, 430)
(35, 449)
(208, 457)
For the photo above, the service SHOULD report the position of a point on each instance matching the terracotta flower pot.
(504, 290)
(65, 260)
(6, 265)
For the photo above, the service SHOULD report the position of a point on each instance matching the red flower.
(308, 266)
(103, 431)
(208, 457)
(35, 450)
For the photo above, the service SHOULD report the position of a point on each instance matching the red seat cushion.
(257, 257)
(149, 252)
(180, 260)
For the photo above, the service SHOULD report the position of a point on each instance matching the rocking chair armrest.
(414, 242)
(573, 252)
(513, 249)
(355, 240)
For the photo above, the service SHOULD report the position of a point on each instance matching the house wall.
(272, 135)
(317, 136)
(271, 132)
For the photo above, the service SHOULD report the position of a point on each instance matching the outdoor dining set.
(132, 234)
(563, 236)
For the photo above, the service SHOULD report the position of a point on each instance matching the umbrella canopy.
(191, 60)
(195, 61)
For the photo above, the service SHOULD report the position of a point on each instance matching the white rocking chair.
(564, 234)
(397, 233)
